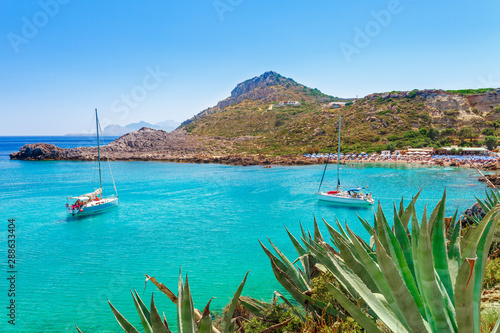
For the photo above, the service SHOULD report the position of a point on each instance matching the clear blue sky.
(60, 59)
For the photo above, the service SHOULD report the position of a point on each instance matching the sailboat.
(95, 201)
(351, 196)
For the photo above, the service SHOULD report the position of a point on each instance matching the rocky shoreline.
(156, 145)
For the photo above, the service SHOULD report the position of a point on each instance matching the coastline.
(47, 152)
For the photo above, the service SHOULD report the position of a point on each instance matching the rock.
(493, 179)
(474, 211)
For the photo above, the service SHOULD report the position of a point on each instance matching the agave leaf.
(233, 303)
(454, 259)
(405, 300)
(286, 281)
(399, 260)
(450, 228)
(439, 250)
(162, 288)
(156, 322)
(127, 327)
(255, 307)
(374, 270)
(356, 266)
(300, 250)
(174, 299)
(339, 226)
(464, 307)
(496, 329)
(483, 245)
(404, 242)
(380, 227)
(180, 299)
(429, 288)
(206, 319)
(365, 224)
(415, 243)
(291, 269)
(484, 207)
(327, 260)
(373, 301)
(491, 202)
(286, 266)
(187, 310)
(353, 310)
(409, 212)
(144, 321)
(401, 208)
(318, 237)
(144, 309)
(293, 308)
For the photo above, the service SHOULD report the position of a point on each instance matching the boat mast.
(98, 150)
(338, 157)
(326, 165)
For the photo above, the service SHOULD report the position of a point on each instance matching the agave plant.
(189, 319)
(492, 200)
(411, 276)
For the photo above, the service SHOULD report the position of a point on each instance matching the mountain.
(117, 130)
(265, 89)
(259, 118)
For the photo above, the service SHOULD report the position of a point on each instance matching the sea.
(201, 221)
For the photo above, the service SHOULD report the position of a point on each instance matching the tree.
(491, 142)
(488, 131)
(448, 132)
(433, 133)
(466, 132)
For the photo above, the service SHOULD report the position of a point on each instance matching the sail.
(93, 195)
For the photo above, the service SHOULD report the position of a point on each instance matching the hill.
(257, 111)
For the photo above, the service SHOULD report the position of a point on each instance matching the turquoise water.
(206, 219)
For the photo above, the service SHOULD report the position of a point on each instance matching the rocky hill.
(378, 121)
(265, 89)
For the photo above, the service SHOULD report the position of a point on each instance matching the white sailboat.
(352, 196)
(95, 201)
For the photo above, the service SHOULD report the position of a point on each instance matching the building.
(335, 105)
(428, 151)
(287, 103)
(461, 150)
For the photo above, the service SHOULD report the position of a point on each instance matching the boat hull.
(341, 200)
(94, 207)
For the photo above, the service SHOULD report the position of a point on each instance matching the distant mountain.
(117, 130)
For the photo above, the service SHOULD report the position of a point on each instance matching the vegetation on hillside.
(393, 120)
(369, 126)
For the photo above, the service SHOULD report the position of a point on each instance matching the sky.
(168, 60)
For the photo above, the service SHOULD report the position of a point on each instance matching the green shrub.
(411, 134)
(492, 273)
(277, 313)
(491, 142)
(392, 137)
(381, 113)
(488, 131)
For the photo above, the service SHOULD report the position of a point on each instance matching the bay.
(206, 219)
